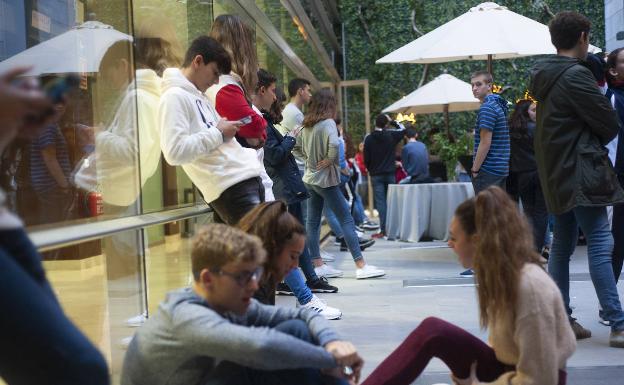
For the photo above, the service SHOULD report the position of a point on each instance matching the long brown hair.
(504, 245)
(275, 226)
(238, 40)
(322, 106)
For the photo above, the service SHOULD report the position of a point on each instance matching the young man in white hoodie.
(194, 136)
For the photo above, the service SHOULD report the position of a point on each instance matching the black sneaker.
(283, 289)
(338, 241)
(369, 225)
(467, 273)
(321, 285)
(364, 243)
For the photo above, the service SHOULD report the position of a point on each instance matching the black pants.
(618, 237)
(39, 344)
(238, 200)
(534, 205)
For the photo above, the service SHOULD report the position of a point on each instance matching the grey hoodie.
(184, 341)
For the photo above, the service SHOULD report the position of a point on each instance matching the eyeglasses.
(243, 278)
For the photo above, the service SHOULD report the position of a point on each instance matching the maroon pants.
(437, 338)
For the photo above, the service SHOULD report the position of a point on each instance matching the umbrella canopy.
(445, 93)
(78, 50)
(487, 31)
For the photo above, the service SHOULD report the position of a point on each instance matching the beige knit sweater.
(541, 340)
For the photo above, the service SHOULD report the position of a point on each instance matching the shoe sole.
(333, 275)
(372, 275)
(281, 292)
(332, 318)
(324, 290)
(363, 246)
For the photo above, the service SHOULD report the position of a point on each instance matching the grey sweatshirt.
(315, 144)
(184, 341)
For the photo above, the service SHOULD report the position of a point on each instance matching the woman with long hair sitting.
(530, 336)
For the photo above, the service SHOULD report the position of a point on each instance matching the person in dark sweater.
(524, 169)
(379, 157)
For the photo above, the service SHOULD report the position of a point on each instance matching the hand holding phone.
(295, 131)
(245, 120)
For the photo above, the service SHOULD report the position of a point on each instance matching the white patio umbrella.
(486, 32)
(78, 50)
(443, 94)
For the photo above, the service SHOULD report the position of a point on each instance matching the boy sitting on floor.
(215, 332)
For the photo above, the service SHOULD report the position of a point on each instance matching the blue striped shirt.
(40, 177)
(493, 117)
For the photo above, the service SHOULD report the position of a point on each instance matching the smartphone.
(245, 120)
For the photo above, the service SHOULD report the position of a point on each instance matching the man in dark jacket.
(574, 122)
(380, 160)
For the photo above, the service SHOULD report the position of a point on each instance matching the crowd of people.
(271, 172)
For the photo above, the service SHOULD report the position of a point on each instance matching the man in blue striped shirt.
(491, 145)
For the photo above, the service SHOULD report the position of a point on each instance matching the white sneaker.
(319, 306)
(137, 321)
(326, 257)
(359, 233)
(368, 271)
(327, 271)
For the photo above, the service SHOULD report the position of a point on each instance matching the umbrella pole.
(446, 120)
(489, 65)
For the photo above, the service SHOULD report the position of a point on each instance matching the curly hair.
(504, 244)
(216, 245)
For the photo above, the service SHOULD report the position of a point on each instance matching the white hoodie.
(190, 138)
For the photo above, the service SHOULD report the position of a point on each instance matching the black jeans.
(238, 200)
(533, 204)
(40, 345)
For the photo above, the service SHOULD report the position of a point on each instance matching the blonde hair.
(504, 245)
(238, 40)
(216, 245)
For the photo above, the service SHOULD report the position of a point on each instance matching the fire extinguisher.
(93, 203)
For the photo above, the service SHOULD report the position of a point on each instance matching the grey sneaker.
(616, 340)
(580, 332)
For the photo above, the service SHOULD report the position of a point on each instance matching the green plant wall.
(375, 28)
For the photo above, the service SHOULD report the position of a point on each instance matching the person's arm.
(482, 150)
(276, 152)
(591, 105)
(54, 168)
(536, 336)
(256, 345)
(231, 104)
(487, 123)
(178, 144)
(367, 153)
(333, 142)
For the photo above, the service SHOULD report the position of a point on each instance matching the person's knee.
(296, 328)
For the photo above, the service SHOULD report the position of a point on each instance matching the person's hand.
(295, 132)
(471, 380)
(18, 102)
(397, 163)
(345, 354)
(228, 128)
(324, 163)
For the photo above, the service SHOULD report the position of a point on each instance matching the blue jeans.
(358, 210)
(296, 283)
(484, 180)
(332, 221)
(595, 225)
(338, 204)
(380, 192)
(40, 345)
(229, 373)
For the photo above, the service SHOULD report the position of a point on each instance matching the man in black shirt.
(380, 160)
